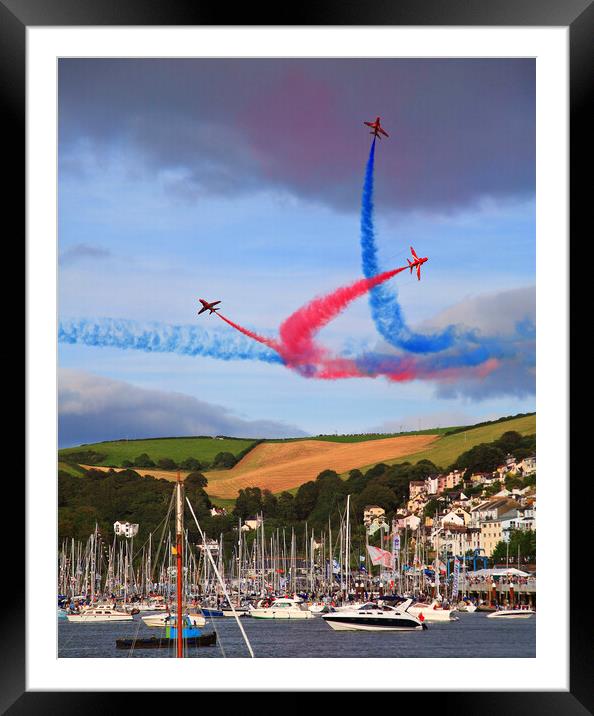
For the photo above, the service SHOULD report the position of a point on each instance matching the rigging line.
(239, 624)
(212, 619)
(165, 523)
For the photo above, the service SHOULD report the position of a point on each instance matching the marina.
(473, 634)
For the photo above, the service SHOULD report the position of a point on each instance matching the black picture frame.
(577, 15)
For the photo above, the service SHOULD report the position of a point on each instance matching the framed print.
(296, 295)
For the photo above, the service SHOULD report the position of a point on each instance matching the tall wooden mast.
(179, 532)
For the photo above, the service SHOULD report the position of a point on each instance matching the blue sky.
(180, 179)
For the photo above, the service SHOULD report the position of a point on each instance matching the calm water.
(472, 636)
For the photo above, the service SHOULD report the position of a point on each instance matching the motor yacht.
(374, 617)
(99, 614)
(282, 608)
(432, 612)
(517, 613)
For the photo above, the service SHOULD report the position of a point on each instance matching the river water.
(474, 635)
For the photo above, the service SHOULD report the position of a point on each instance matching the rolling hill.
(280, 465)
(178, 449)
(283, 466)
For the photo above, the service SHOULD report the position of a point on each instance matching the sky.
(241, 180)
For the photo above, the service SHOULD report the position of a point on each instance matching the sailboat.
(180, 630)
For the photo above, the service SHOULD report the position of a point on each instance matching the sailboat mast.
(179, 531)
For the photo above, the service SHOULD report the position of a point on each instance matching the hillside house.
(415, 488)
(252, 523)
(373, 513)
(491, 534)
(125, 529)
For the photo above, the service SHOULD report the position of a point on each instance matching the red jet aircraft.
(376, 128)
(417, 262)
(206, 306)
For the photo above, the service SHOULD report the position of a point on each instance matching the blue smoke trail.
(162, 338)
(383, 300)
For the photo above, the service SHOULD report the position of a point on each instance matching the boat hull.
(524, 614)
(96, 618)
(280, 614)
(164, 643)
(339, 623)
(161, 620)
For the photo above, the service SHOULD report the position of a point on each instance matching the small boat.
(282, 608)
(210, 612)
(98, 614)
(373, 617)
(512, 614)
(320, 608)
(163, 643)
(191, 635)
(432, 612)
(162, 620)
(245, 611)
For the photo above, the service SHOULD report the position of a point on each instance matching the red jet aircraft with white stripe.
(376, 128)
(416, 263)
(206, 306)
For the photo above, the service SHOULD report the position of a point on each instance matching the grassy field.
(71, 469)
(284, 466)
(445, 451)
(178, 449)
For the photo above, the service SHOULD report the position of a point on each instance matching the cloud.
(82, 252)
(92, 408)
(460, 129)
(490, 313)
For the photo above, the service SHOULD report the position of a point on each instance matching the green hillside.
(444, 451)
(178, 449)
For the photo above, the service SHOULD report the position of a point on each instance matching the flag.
(455, 578)
(335, 567)
(380, 556)
(396, 543)
(174, 550)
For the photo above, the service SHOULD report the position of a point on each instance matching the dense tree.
(305, 499)
(481, 458)
(224, 461)
(248, 503)
(143, 460)
(269, 504)
(166, 463)
(523, 541)
(375, 494)
(191, 463)
(286, 507)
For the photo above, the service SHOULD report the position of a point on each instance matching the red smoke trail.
(251, 334)
(301, 353)
(297, 346)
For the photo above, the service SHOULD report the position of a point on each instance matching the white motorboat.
(432, 612)
(468, 607)
(512, 614)
(282, 608)
(372, 617)
(320, 608)
(99, 614)
(162, 620)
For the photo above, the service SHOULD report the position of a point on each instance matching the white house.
(373, 513)
(125, 529)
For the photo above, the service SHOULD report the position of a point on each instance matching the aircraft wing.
(214, 303)
(202, 310)
(413, 252)
(419, 271)
(383, 131)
